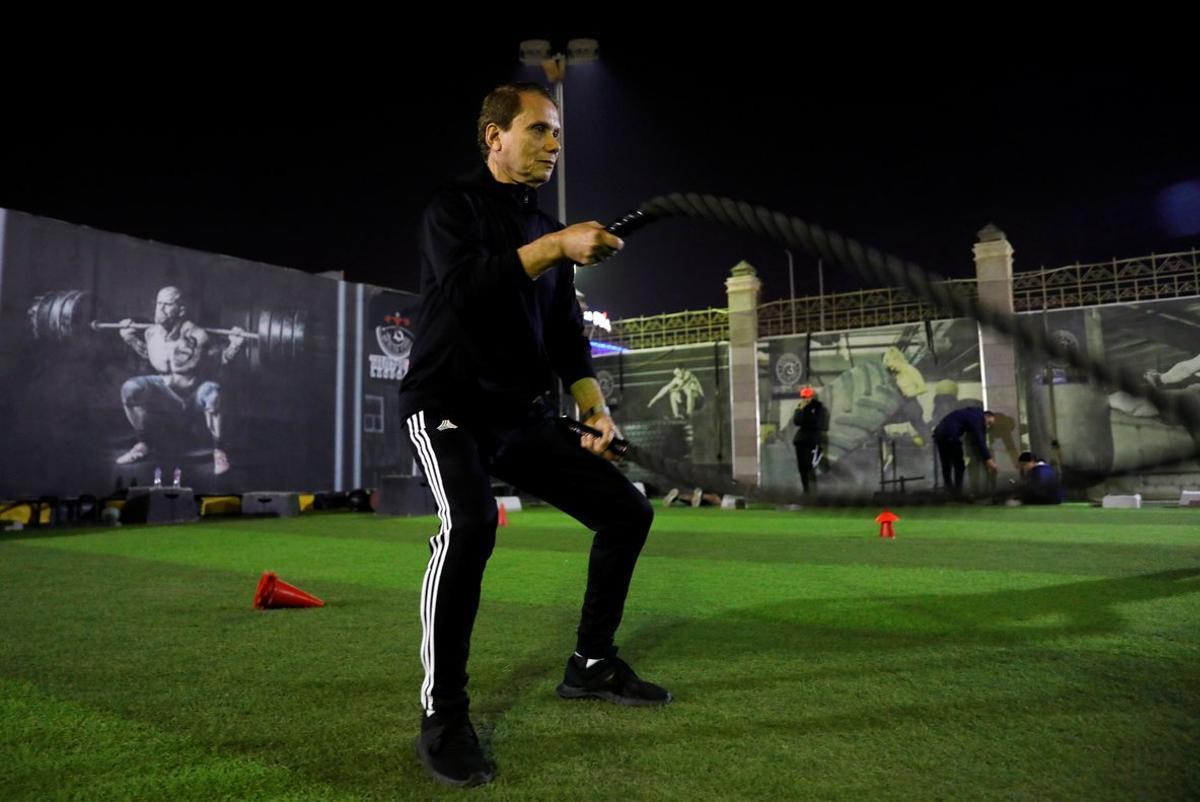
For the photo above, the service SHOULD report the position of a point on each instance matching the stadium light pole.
(536, 53)
(791, 287)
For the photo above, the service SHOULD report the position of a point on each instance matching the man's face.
(168, 306)
(527, 151)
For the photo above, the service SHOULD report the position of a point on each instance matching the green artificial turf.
(985, 653)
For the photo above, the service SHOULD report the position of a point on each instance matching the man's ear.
(491, 136)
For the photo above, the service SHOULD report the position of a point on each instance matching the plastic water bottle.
(157, 476)
(177, 476)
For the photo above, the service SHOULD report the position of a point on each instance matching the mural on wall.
(121, 357)
(883, 389)
(673, 401)
(1095, 433)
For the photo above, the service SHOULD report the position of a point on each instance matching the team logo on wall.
(789, 369)
(396, 341)
(608, 386)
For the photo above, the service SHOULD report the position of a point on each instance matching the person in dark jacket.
(1039, 481)
(811, 422)
(498, 320)
(948, 437)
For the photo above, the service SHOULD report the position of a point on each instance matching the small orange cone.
(273, 592)
(885, 520)
(503, 519)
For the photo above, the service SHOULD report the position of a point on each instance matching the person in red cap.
(811, 424)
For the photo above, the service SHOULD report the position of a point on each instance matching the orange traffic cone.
(503, 519)
(885, 520)
(274, 592)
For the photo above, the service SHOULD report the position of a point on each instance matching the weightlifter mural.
(121, 356)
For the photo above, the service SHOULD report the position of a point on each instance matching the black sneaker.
(449, 750)
(612, 680)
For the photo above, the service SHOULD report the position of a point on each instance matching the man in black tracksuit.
(948, 435)
(498, 316)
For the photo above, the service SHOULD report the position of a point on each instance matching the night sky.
(326, 166)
